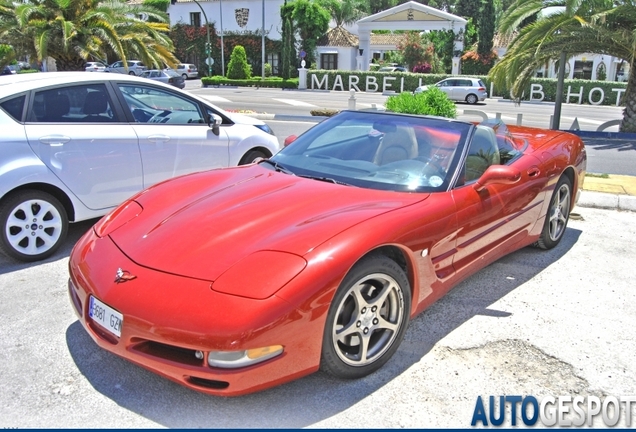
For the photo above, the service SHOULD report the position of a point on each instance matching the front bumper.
(168, 318)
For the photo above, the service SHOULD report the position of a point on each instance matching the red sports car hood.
(201, 224)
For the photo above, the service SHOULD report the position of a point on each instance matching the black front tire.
(34, 224)
(252, 156)
(556, 219)
(367, 318)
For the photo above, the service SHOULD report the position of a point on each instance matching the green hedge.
(273, 82)
(407, 82)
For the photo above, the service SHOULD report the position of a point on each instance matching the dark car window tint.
(14, 107)
(82, 103)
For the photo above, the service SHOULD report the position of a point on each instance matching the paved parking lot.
(534, 323)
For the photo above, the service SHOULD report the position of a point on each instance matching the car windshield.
(378, 151)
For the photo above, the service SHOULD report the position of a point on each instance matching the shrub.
(238, 67)
(268, 70)
(422, 68)
(431, 102)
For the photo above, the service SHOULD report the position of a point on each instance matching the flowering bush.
(422, 68)
(475, 64)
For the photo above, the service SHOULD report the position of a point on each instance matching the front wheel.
(34, 225)
(367, 318)
(556, 220)
(132, 73)
(252, 156)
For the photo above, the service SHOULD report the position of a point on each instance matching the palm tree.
(73, 31)
(345, 11)
(578, 26)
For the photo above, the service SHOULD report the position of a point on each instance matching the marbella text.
(553, 411)
(595, 96)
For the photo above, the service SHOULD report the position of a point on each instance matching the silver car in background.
(461, 89)
(130, 67)
(75, 145)
(166, 76)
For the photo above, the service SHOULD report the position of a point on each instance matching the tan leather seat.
(398, 143)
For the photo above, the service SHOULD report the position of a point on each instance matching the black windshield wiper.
(325, 179)
(277, 167)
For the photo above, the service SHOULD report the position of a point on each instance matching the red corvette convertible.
(235, 280)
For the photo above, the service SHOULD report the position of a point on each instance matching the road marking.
(214, 98)
(294, 102)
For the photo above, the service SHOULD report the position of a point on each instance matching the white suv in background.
(461, 89)
(135, 67)
(187, 70)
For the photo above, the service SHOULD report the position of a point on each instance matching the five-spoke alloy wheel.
(367, 318)
(34, 225)
(556, 220)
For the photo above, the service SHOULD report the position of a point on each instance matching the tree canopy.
(576, 27)
(74, 31)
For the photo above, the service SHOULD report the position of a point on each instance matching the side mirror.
(290, 139)
(497, 174)
(215, 122)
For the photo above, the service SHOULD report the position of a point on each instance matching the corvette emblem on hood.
(123, 276)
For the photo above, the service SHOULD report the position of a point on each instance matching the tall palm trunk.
(628, 124)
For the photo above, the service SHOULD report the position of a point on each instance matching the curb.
(600, 200)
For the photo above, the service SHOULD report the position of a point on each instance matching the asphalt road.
(533, 323)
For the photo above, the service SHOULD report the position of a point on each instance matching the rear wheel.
(34, 225)
(185, 76)
(472, 99)
(252, 156)
(556, 220)
(132, 73)
(367, 318)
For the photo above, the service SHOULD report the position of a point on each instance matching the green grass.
(604, 176)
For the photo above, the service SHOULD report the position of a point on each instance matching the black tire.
(472, 99)
(367, 318)
(185, 77)
(34, 224)
(252, 156)
(557, 216)
(132, 73)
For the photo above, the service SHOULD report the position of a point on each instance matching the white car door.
(76, 132)
(174, 138)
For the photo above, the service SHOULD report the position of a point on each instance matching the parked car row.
(75, 145)
(136, 67)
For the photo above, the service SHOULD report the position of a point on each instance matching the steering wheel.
(439, 170)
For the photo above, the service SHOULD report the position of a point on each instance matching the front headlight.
(259, 275)
(238, 359)
(265, 128)
(117, 218)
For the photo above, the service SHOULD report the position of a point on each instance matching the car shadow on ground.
(619, 144)
(75, 231)
(316, 397)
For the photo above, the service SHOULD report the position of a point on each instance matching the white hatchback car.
(95, 67)
(461, 89)
(187, 70)
(131, 67)
(75, 145)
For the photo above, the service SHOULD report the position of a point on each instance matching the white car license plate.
(105, 316)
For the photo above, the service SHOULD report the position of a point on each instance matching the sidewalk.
(617, 192)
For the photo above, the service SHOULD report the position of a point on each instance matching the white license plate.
(105, 316)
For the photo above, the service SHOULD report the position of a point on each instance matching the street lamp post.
(208, 45)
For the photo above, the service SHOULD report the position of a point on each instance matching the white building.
(354, 51)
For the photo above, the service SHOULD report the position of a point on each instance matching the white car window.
(153, 105)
